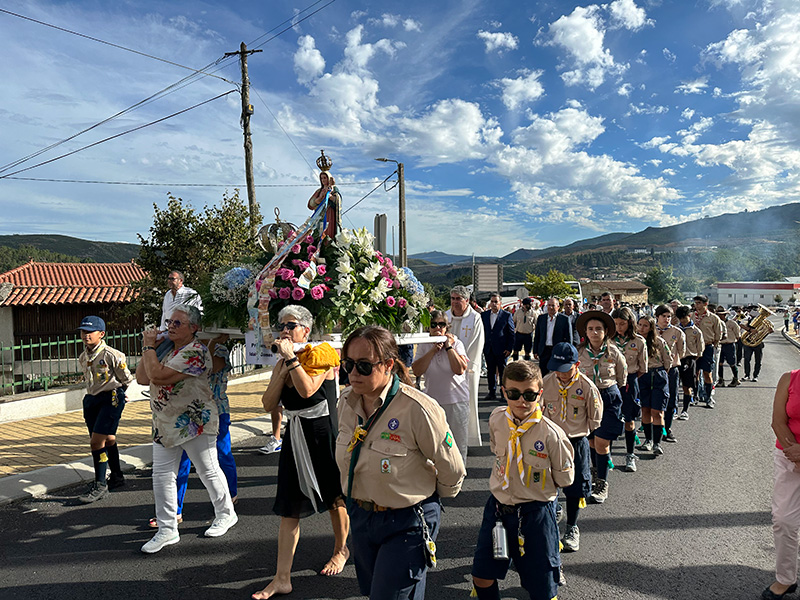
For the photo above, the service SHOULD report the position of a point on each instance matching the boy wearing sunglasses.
(573, 403)
(533, 459)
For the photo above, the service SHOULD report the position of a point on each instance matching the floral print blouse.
(219, 380)
(185, 409)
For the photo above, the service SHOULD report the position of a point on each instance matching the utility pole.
(402, 259)
(247, 111)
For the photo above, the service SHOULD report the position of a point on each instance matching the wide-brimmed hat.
(598, 315)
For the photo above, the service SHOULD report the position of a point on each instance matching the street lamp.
(403, 258)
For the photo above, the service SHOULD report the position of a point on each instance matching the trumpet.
(761, 328)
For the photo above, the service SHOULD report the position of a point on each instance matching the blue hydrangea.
(412, 284)
(236, 277)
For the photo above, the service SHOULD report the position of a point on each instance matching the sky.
(519, 124)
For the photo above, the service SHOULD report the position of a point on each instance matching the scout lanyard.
(596, 359)
(514, 447)
(360, 434)
(563, 389)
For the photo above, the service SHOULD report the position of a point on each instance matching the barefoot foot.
(274, 588)
(336, 564)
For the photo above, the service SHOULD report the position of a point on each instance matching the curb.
(789, 338)
(40, 482)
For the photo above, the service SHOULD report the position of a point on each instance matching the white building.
(756, 292)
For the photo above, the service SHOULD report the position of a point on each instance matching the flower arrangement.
(225, 295)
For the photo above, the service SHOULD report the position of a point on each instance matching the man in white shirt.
(607, 302)
(177, 294)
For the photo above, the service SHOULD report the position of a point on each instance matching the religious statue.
(329, 191)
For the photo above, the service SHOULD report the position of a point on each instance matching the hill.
(70, 246)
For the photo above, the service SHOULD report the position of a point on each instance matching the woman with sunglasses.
(308, 480)
(445, 367)
(185, 418)
(396, 457)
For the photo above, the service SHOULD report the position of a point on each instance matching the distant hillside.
(524, 254)
(81, 249)
(440, 258)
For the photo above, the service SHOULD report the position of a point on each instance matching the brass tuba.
(762, 327)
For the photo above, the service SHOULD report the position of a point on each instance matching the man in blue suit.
(552, 328)
(498, 327)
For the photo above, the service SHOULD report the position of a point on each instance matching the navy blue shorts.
(689, 372)
(706, 362)
(612, 424)
(654, 389)
(582, 485)
(103, 411)
(538, 569)
(631, 409)
(727, 354)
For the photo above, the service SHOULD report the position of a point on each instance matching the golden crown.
(324, 162)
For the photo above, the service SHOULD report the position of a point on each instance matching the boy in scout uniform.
(713, 333)
(694, 348)
(676, 342)
(727, 352)
(106, 374)
(533, 459)
(573, 403)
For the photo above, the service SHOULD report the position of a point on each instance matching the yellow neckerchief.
(514, 447)
(596, 359)
(562, 389)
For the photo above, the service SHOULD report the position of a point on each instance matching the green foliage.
(551, 284)
(663, 285)
(11, 258)
(778, 298)
(464, 280)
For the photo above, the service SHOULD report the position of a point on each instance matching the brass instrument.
(762, 327)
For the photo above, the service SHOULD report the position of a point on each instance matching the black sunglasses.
(364, 366)
(290, 326)
(438, 324)
(529, 395)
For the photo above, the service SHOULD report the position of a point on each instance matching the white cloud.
(411, 25)
(308, 61)
(496, 40)
(687, 113)
(390, 20)
(693, 86)
(560, 132)
(625, 89)
(654, 161)
(625, 13)
(523, 90)
(669, 55)
(654, 142)
(646, 109)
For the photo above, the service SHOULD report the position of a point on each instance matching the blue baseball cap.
(92, 323)
(564, 356)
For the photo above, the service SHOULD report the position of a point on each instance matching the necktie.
(514, 447)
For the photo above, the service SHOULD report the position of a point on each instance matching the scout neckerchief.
(91, 356)
(563, 390)
(685, 327)
(621, 342)
(360, 434)
(596, 359)
(514, 447)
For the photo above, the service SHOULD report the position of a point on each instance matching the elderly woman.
(444, 366)
(397, 457)
(308, 479)
(185, 418)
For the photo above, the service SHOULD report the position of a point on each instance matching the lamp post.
(403, 258)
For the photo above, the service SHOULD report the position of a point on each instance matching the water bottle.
(500, 541)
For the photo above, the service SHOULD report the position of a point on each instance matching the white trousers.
(202, 451)
(474, 426)
(785, 518)
(458, 420)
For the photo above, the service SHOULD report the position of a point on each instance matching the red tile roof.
(68, 283)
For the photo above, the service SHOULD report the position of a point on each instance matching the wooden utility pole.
(247, 111)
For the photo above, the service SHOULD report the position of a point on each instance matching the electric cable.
(177, 185)
(367, 194)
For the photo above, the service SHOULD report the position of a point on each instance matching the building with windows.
(630, 291)
(757, 292)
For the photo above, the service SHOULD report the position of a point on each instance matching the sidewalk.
(42, 454)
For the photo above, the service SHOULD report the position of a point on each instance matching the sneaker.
(754, 379)
(720, 383)
(220, 526)
(684, 416)
(693, 401)
(571, 539)
(561, 579)
(658, 450)
(647, 446)
(711, 403)
(630, 463)
(273, 445)
(734, 383)
(95, 492)
(746, 378)
(669, 437)
(161, 539)
(115, 480)
(600, 492)
(559, 512)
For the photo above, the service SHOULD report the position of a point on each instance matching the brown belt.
(371, 506)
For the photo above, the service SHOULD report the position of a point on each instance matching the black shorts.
(612, 424)
(631, 407)
(706, 362)
(654, 389)
(689, 371)
(581, 486)
(727, 354)
(102, 411)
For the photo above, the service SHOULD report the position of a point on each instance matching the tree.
(551, 284)
(778, 298)
(195, 243)
(663, 285)
(464, 280)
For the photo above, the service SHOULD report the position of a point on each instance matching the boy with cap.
(573, 403)
(107, 377)
(533, 459)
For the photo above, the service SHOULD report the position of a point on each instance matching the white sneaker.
(273, 445)
(630, 463)
(220, 526)
(684, 416)
(161, 539)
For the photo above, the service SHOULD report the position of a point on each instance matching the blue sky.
(521, 125)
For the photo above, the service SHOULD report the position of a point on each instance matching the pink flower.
(388, 262)
(258, 284)
(294, 281)
(385, 272)
(298, 293)
(311, 250)
(304, 264)
(396, 284)
(296, 249)
(389, 282)
(380, 258)
(402, 302)
(327, 279)
(390, 301)
(272, 293)
(284, 293)
(317, 292)
(285, 274)
(296, 262)
(322, 269)
(309, 239)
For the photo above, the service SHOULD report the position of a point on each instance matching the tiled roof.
(68, 283)
(628, 284)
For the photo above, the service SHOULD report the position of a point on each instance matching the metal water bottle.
(500, 541)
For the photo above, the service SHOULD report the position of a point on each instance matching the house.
(757, 292)
(629, 290)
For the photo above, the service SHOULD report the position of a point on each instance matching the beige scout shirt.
(408, 454)
(613, 369)
(732, 331)
(547, 458)
(584, 409)
(635, 353)
(694, 340)
(661, 357)
(525, 322)
(712, 327)
(104, 370)
(676, 342)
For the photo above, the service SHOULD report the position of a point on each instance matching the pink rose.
(390, 301)
(258, 284)
(327, 279)
(317, 292)
(294, 281)
(284, 293)
(380, 258)
(296, 249)
(304, 264)
(396, 284)
(296, 262)
(298, 293)
(309, 239)
(272, 293)
(311, 250)
(285, 274)
(322, 269)
(388, 262)
(389, 282)
(402, 302)
(385, 273)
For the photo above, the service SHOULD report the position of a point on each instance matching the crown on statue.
(324, 162)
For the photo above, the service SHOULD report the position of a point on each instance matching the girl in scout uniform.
(533, 459)
(694, 348)
(633, 346)
(603, 363)
(653, 386)
(573, 403)
(396, 457)
(677, 349)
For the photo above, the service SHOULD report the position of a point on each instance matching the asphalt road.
(694, 523)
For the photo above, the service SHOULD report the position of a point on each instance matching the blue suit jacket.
(500, 338)
(562, 332)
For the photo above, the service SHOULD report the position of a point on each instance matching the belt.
(510, 509)
(370, 506)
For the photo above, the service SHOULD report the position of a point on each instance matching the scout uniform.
(728, 350)
(533, 459)
(688, 370)
(609, 372)
(677, 349)
(713, 333)
(653, 385)
(394, 466)
(524, 325)
(635, 352)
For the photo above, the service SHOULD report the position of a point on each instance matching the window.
(762, 295)
(745, 295)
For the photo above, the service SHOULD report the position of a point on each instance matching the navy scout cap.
(564, 356)
(92, 323)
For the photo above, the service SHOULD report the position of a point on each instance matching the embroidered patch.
(537, 454)
(390, 436)
(633, 345)
(448, 439)
(537, 477)
(539, 445)
(579, 391)
(394, 424)
(575, 411)
(102, 363)
(386, 466)
(550, 406)
(500, 465)
(567, 464)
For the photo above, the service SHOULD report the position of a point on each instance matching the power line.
(282, 129)
(268, 40)
(118, 135)
(147, 183)
(367, 194)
